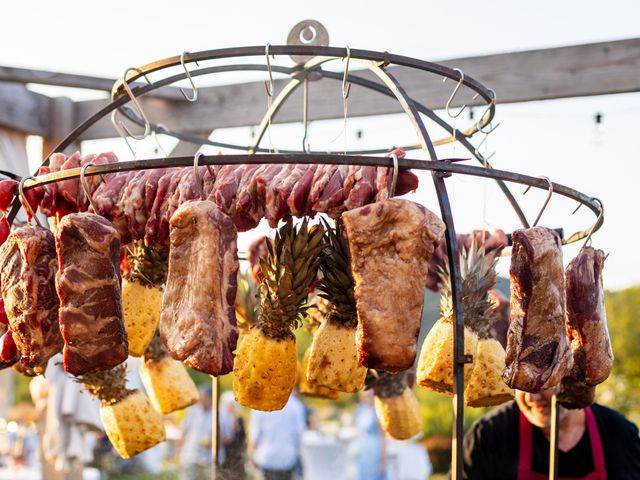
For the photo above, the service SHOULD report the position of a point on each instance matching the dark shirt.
(491, 447)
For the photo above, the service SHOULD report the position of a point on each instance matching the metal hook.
(85, 185)
(546, 202)
(593, 227)
(136, 104)
(491, 104)
(122, 134)
(193, 85)
(346, 87)
(199, 182)
(453, 94)
(25, 202)
(394, 181)
(269, 83)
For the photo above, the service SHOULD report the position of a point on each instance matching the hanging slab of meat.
(88, 284)
(27, 268)
(391, 243)
(198, 322)
(586, 329)
(538, 355)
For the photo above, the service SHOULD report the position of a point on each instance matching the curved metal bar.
(454, 269)
(383, 57)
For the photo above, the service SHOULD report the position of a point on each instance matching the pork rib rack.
(89, 288)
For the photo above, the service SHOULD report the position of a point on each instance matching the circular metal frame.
(376, 63)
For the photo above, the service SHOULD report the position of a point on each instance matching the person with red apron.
(525, 471)
(512, 443)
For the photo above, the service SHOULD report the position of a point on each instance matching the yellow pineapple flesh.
(142, 294)
(132, 424)
(312, 389)
(436, 362)
(396, 405)
(264, 371)
(141, 310)
(129, 420)
(485, 387)
(265, 367)
(333, 358)
(166, 380)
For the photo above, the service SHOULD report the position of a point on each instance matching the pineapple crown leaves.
(477, 269)
(286, 275)
(148, 264)
(337, 283)
(107, 385)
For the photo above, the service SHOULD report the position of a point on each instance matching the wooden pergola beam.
(564, 72)
(24, 110)
(71, 80)
(575, 71)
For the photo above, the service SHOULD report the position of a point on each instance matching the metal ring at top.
(308, 33)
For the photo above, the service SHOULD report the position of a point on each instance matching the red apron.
(526, 451)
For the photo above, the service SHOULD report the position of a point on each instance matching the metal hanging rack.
(310, 58)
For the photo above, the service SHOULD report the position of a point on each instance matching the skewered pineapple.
(129, 420)
(435, 367)
(396, 406)
(264, 371)
(166, 380)
(333, 359)
(142, 295)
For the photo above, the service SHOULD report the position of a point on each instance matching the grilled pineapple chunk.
(400, 415)
(485, 387)
(435, 365)
(264, 372)
(312, 389)
(168, 385)
(396, 405)
(132, 425)
(141, 310)
(333, 358)
(129, 420)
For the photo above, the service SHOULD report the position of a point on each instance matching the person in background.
(371, 442)
(275, 440)
(232, 439)
(512, 442)
(194, 448)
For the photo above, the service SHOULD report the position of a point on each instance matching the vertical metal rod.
(454, 261)
(553, 448)
(305, 114)
(215, 431)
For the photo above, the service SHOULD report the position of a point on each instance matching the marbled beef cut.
(391, 243)
(88, 284)
(198, 321)
(27, 268)
(586, 329)
(537, 355)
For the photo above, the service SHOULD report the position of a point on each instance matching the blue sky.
(557, 138)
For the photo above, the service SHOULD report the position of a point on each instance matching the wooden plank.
(23, 110)
(62, 121)
(45, 77)
(582, 70)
